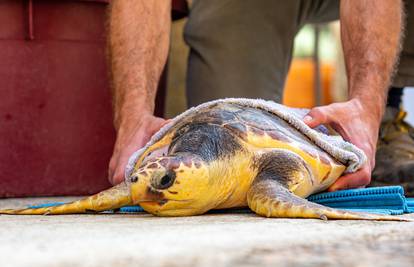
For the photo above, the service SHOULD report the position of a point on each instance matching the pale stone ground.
(210, 240)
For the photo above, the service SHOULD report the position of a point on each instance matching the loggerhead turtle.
(224, 155)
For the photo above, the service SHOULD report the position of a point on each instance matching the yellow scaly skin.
(112, 198)
(220, 186)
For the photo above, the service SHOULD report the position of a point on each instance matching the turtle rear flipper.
(269, 195)
(270, 199)
(112, 198)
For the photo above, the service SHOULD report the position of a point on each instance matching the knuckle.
(322, 112)
(112, 164)
(366, 180)
(317, 111)
(118, 176)
(118, 172)
(365, 177)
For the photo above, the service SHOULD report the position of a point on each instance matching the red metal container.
(56, 133)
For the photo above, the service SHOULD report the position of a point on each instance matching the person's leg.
(404, 76)
(244, 48)
(320, 11)
(239, 48)
(395, 150)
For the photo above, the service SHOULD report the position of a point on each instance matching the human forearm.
(138, 44)
(371, 33)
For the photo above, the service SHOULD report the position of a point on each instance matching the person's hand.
(356, 124)
(133, 134)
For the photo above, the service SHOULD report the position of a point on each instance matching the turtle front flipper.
(269, 195)
(112, 198)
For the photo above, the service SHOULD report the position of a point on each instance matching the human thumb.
(314, 118)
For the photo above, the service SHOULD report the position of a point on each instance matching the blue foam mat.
(381, 200)
(388, 200)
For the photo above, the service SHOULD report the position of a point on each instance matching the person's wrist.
(370, 120)
(132, 110)
(369, 96)
(132, 120)
(367, 112)
(370, 110)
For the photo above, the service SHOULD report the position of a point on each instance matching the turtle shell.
(257, 129)
(260, 129)
(255, 126)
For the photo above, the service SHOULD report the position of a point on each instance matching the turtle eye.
(134, 178)
(166, 181)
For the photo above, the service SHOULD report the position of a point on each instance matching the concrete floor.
(118, 240)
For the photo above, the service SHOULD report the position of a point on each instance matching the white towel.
(346, 153)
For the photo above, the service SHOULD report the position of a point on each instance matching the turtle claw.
(323, 217)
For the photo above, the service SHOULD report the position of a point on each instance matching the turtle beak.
(141, 190)
(139, 185)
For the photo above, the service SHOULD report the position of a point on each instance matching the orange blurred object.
(299, 88)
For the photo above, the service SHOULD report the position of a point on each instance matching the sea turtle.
(224, 155)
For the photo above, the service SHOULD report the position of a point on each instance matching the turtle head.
(176, 185)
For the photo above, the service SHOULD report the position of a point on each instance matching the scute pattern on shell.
(244, 121)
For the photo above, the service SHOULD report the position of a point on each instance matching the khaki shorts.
(243, 48)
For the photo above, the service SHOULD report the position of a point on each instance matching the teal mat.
(382, 200)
